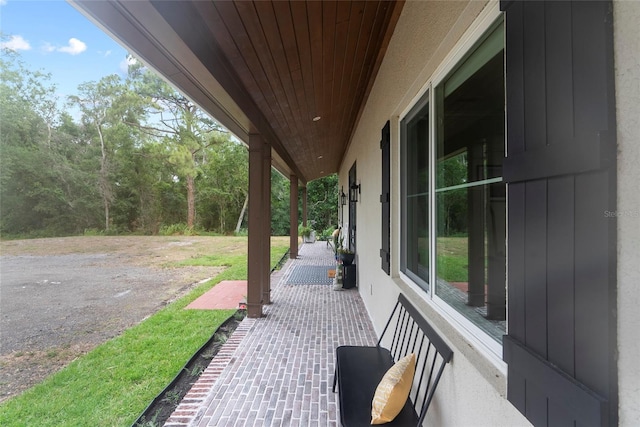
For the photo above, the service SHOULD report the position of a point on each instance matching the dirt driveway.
(61, 297)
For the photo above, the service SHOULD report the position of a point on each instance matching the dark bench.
(359, 369)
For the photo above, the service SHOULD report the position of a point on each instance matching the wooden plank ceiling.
(284, 63)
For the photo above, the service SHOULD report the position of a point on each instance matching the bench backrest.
(411, 333)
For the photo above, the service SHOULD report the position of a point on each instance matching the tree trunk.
(191, 185)
(242, 212)
(49, 132)
(191, 201)
(221, 218)
(106, 215)
(104, 180)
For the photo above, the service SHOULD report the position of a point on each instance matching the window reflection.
(470, 195)
(457, 201)
(417, 197)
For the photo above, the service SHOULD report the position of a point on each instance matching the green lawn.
(452, 257)
(114, 383)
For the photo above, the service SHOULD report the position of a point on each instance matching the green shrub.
(93, 232)
(180, 229)
(326, 234)
(243, 232)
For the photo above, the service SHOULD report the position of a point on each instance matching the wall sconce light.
(354, 191)
(343, 198)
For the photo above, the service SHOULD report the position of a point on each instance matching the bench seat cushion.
(360, 370)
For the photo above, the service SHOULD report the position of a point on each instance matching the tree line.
(136, 156)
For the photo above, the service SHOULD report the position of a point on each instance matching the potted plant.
(307, 233)
(346, 256)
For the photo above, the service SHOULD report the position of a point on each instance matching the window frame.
(417, 107)
(474, 36)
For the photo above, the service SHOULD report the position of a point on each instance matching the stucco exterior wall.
(472, 391)
(627, 81)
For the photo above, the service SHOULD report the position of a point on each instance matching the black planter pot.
(347, 259)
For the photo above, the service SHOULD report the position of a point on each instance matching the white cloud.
(3, 2)
(104, 53)
(74, 47)
(16, 43)
(124, 64)
(48, 47)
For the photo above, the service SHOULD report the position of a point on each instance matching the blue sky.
(54, 37)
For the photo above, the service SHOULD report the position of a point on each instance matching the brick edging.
(192, 407)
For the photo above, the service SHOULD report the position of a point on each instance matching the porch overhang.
(298, 73)
(288, 78)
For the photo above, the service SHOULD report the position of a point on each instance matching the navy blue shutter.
(385, 198)
(560, 173)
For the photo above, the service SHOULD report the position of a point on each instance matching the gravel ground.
(61, 297)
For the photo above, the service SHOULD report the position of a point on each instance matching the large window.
(454, 200)
(415, 186)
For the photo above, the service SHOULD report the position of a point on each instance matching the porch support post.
(476, 230)
(304, 205)
(266, 227)
(293, 213)
(255, 260)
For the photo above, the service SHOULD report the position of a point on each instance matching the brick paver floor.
(278, 370)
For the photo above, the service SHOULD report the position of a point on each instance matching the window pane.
(416, 194)
(470, 195)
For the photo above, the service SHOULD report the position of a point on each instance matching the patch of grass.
(453, 269)
(215, 260)
(277, 252)
(93, 232)
(456, 246)
(180, 229)
(453, 263)
(229, 259)
(114, 383)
